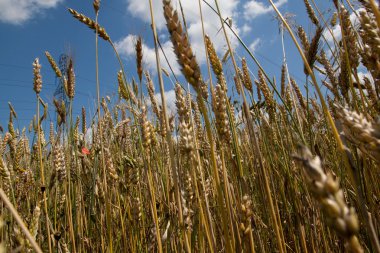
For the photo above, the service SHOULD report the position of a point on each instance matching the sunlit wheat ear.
(145, 128)
(220, 109)
(198, 124)
(182, 108)
(187, 200)
(363, 133)
(326, 190)
(371, 92)
(37, 81)
(247, 82)
(70, 80)
(110, 166)
(216, 64)
(17, 158)
(2, 146)
(186, 144)
(311, 54)
(7, 137)
(150, 88)
(333, 87)
(139, 57)
(11, 128)
(246, 214)
(33, 228)
(5, 176)
(53, 64)
(59, 163)
(304, 40)
(268, 95)
(350, 38)
(185, 128)
(311, 13)
(301, 99)
(236, 82)
(90, 23)
(76, 131)
(334, 19)
(135, 87)
(96, 5)
(370, 35)
(182, 49)
(122, 89)
(99, 189)
(344, 76)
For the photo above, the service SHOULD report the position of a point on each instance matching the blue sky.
(30, 27)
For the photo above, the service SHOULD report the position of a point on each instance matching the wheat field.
(281, 171)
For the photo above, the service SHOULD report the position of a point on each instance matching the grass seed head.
(37, 81)
(53, 64)
(91, 24)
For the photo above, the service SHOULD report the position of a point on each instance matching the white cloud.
(245, 29)
(254, 45)
(19, 11)
(170, 101)
(140, 10)
(253, 8)
(126, 47)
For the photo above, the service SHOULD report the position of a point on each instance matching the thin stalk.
(108, 208)
(227, 196)
(260, 67)
(154, 208)
(166, 122)
(19, 221)
(43, 187)
(204, 42)
(348, 65)
(69, 214)
(289, 82)
(206, 222)
(216, 182)
(254, 139)
(328, 28)
(68, 185)
(341, 147)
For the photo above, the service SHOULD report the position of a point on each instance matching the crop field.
(276, 166)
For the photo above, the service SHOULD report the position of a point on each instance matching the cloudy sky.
(30, 27)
